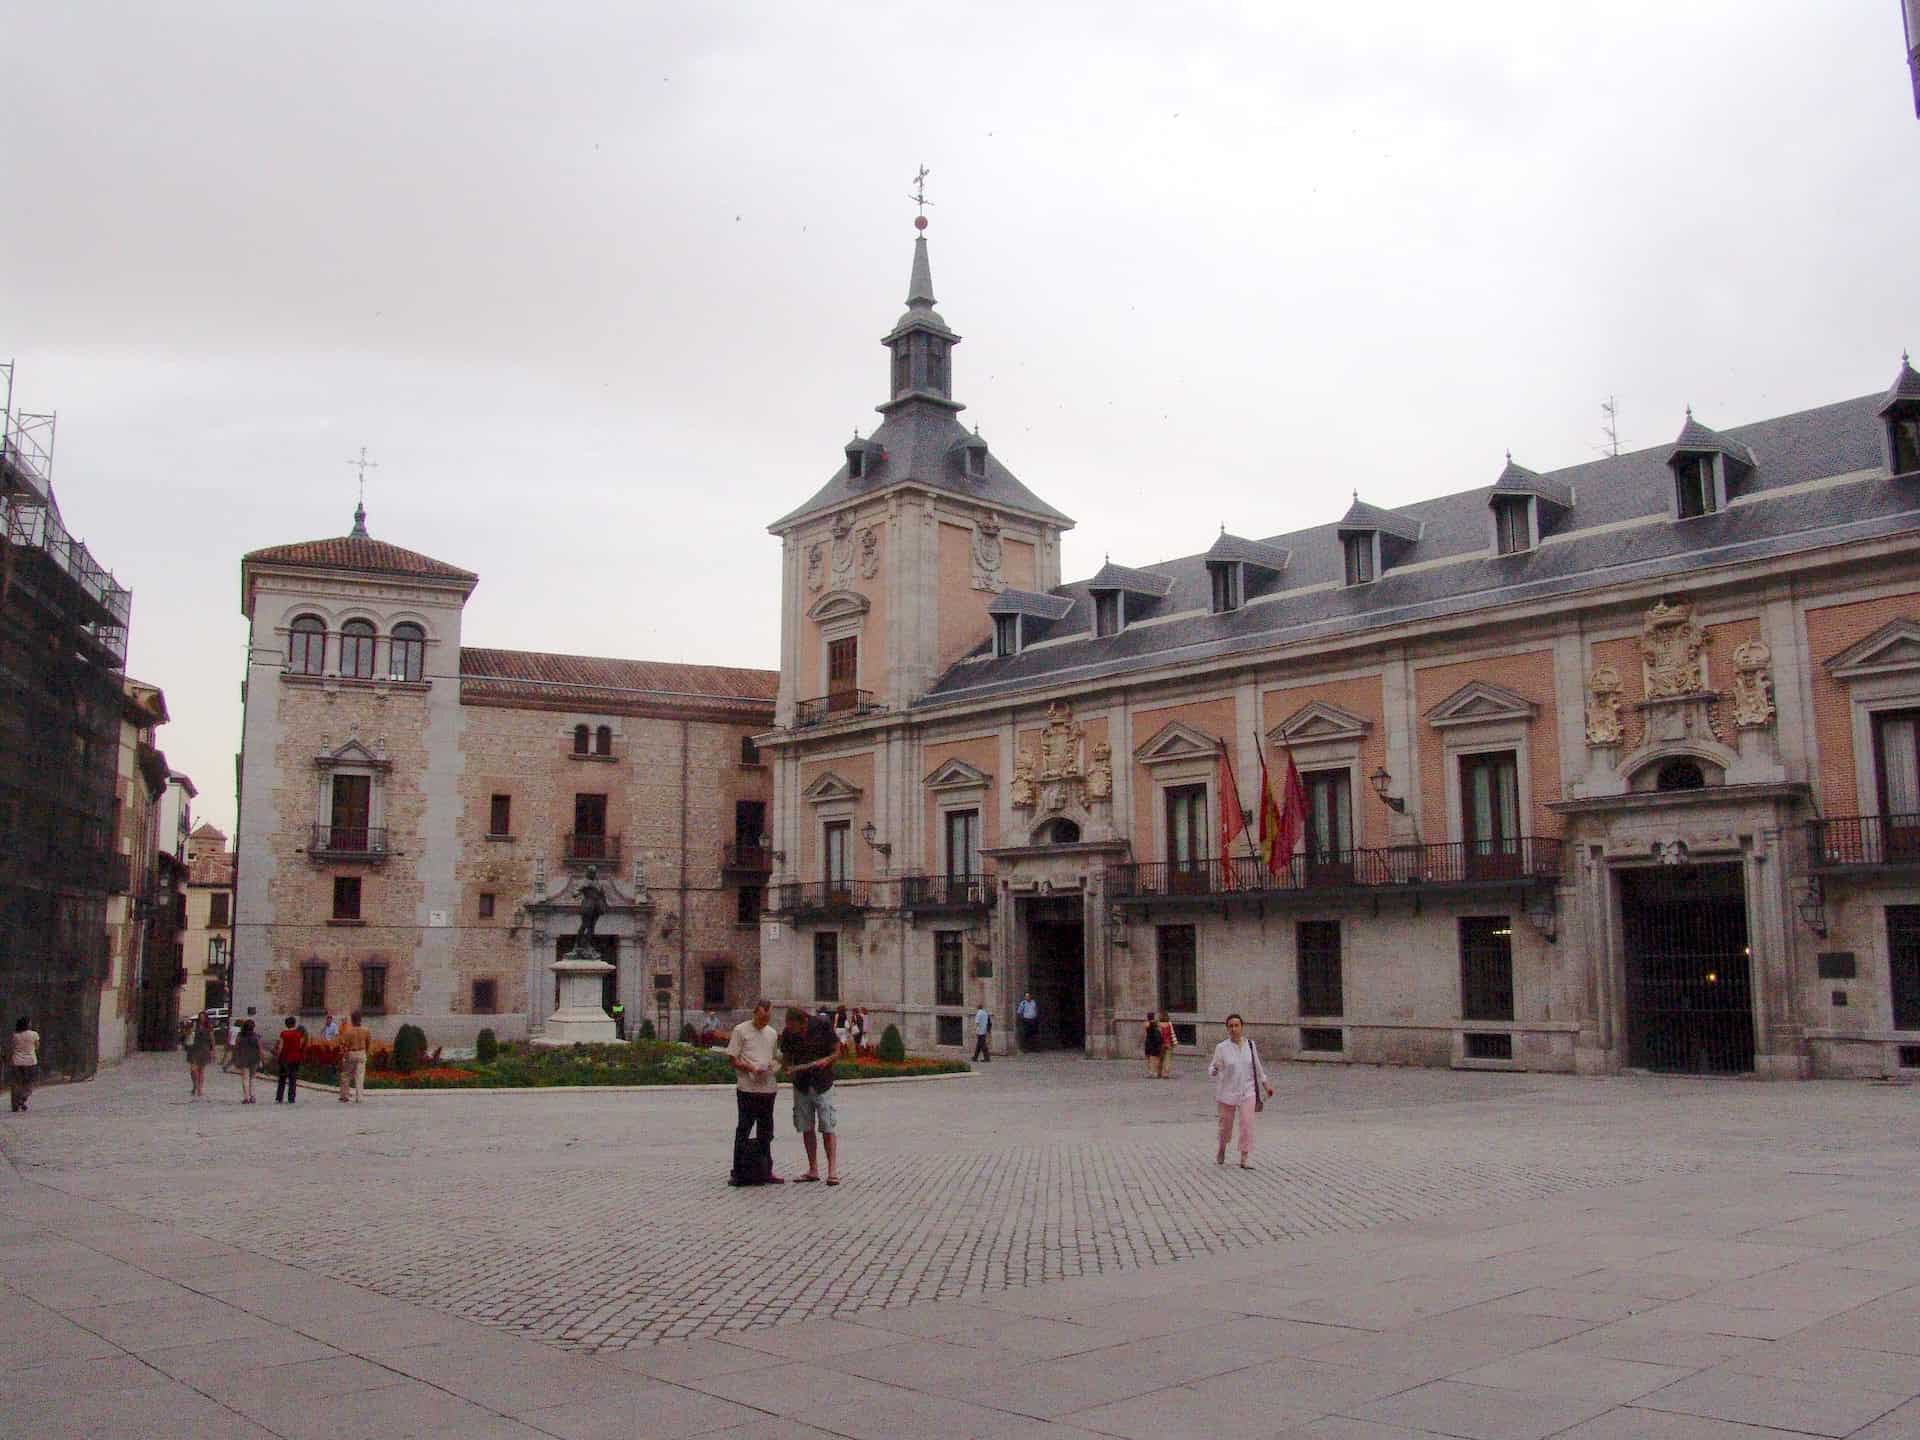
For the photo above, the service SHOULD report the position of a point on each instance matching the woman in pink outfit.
(1238, 1076)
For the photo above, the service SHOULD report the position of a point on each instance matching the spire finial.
(1689, 411)
(363, 464)
(919, 197)
(1509, 455)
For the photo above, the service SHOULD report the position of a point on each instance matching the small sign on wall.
(770, 930)
(1837, 965)
(437, 918)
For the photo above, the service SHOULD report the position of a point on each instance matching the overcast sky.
(600, 285)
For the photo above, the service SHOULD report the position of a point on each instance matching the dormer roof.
(1905, 389)
(1136, 582)
(1028, 602)
(1698, 439)
(1518, 480)
(1362, 516)
(1230, 549)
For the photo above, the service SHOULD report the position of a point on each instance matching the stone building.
(1610, 766)
(417, 816)
(140, 781)
(207, 941)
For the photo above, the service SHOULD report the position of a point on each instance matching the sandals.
(806, 1179)
(833, 1180)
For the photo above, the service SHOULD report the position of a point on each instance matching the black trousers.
(980, 1051)
(288, 1088)
(753, 1138)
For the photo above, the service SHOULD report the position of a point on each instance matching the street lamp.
(1382, 783)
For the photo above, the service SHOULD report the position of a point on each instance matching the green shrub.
(646, 1030)
(486, 1046)
(689, 1035)
(891, 1046)
(409, 1048)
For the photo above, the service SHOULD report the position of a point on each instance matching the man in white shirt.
(1029, 1012)
(982, 1030)
(754, 1048)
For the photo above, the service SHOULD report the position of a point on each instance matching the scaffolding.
(63, 646)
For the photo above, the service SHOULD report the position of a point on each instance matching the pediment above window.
(356, 754)
(828, 788)
(958, 775)
(1177, 741)
(1478, 702)
(839, 605)
(1318, 721)
(1892, 649)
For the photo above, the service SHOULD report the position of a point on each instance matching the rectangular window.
(963, 844)
(486, 904)
(746, 905)
(1896, 751)
(1187, 837)
(1486, 967)
(749, 823)
(1693, 477)
(837, 860)
(1316, 947)
(1488, 1047)
(216, 952)
(1106, 612)
(947, 1031)
(1903, 438)
(843, 674)
(219, 905)
(1323, 1040)
(346, 897)
(313, 987)
(1359, 557)
(1179, 969)
(180, 912)
(949, 979)
(486, 997)
(826, 965)
(1226, 587)
(373, 989)
(1903, 964)
(590, 815)
(1512, 531)
(352, 810)
(500, 815)
(1490, 813)
(749, 752)
(1329, 830)
(713, 986)
(1006, 635)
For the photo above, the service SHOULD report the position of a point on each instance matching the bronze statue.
(593, 904)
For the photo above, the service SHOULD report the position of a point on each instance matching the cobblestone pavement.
(1042, 1249)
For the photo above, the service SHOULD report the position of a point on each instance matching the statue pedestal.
(579, 1019)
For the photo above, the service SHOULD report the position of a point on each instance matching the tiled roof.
(540, 680)
(1122, 577)
(350, 552)
(211, 869)
(1906, 386)
(1518, 480)
(1248, 552)
(207, 830)
(1596, 545)
(1695, 437)
(1362, 516)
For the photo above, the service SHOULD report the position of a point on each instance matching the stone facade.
(207, 942)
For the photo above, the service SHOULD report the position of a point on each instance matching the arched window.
(1680, 775)
(580, 739)
(1061, 832)
(407, 652)
(603, 740)
(307, 646)
(356, 649)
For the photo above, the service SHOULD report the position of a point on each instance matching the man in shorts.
(808, 1048)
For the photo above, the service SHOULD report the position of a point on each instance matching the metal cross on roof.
(363, 464)
(919, 197)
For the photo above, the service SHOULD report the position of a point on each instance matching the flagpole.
(1246, 831)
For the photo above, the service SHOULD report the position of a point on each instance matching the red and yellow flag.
(1281, 821)
(1233, 820)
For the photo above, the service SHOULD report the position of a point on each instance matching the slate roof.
(1695, 437)
(1229, 548)
(1027, 602)
(1591, 549)
(1518, 480)
(539, 680)
(1906, 386)
(358, 553)
(1138, 582)
(1362, 516)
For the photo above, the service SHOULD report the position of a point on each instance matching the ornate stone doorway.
(1057, 969)
(1689, 977)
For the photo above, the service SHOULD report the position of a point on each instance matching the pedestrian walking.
(1028, 1012)
(808, 1050)
(23, 1060)
(199, 1055)
(982, 1031)
(355, 1041)
(1238, 1079)
(287, 1053)
(859, 1032)
(246, 1059)
(229, 1037)
(842, 1029)
(1153, 1046)
(1169, 1042)
(752, 1050)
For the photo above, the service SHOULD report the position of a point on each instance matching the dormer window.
(1228, 586)
(1512, 524)
(1903, 443)
(1107, 614)
(976, 462)
(1359, 557)
(1696, 485)
(856, 464)
(1006, 635)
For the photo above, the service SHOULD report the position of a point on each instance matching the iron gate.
(1689, 970)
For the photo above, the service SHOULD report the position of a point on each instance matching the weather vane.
(919, 197)
(363, 465)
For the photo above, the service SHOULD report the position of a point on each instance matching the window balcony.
(837, 706)
(958, 894)
(586, 849)
(746, 859)
(1862, 844)
(1405, 869)
(349, 842)
(820, 899)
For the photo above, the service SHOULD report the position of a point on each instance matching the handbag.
(1259, 1104)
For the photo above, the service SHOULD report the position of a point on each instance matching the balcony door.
(1896, 748)
(590, 827)
(963, 852)
(1187, 839)
(1329, 835)
(838, 866)
(1490, 814)
(352, 811)
(843, 674)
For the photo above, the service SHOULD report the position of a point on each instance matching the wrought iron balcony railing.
(836, 706)
(1859, 841)
(738, 856)
(585, 849)
(821, 897)
(1464, 864)
(946, 892)
(348, 842)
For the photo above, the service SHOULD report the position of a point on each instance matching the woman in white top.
(1238, 1076)
(24, 1057)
